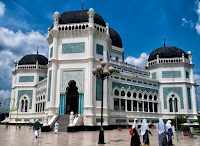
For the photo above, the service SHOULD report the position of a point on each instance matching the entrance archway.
(72, 98)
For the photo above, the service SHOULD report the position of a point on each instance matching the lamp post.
(175, 107)
(102, 74)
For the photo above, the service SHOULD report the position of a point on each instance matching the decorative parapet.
(34, 66)
(167, 60)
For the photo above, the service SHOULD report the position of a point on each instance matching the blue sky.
(142, 25)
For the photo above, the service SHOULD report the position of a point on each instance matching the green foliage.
(198, 131)
(181, 118)
(165, 120)
(185, 128)
(119, 122)
(6, 123)
(198, 120)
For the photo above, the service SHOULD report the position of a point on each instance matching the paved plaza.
(25, 137)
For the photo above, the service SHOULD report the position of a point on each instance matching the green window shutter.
(49, 85)
(98, 89)
(99, 49)
(51, 52)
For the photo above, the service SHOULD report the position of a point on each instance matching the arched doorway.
(72, 98)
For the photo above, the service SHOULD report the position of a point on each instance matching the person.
(56, 127)
(135, 139)
(161, 133)
(170, 132)
(145, 132)
(37, 127)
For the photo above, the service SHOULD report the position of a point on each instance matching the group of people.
(161, 127)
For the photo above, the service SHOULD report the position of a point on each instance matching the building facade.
(64, 82)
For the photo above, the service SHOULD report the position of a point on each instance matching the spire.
(37, 50)
(82, 5)
(164, 42)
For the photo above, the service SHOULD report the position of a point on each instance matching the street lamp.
(175, 108)
(102, 74)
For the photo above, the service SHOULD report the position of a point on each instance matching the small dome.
(167, 52)
(78, 17)
(32, 59)
(116, 39)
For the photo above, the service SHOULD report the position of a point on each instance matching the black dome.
(78, 17)
(116, 39)
(167, 52)
(32, 59)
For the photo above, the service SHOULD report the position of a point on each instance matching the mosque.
(78, 40)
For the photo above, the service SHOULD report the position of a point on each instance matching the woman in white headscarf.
(145, 132)
(161, 133)
(170, 132)
(56, 127)
(135, 139)
(135, 125)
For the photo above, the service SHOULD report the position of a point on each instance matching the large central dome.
(167, 52)
(78, 17)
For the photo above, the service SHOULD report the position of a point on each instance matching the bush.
(198, 131)
(6, 123)
(185, 128)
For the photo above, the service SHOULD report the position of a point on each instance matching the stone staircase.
(63, 121)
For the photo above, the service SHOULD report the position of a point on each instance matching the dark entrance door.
(71, 98)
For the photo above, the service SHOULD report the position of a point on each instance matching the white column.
(131, 105)
(137, 105)
(54, 67)
(143, 106)
(125, 104)
(153, 106)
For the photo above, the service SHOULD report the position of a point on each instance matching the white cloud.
(2, 8)
(15, 45)
(184, 21)
(198, 13)
(140, 62)
(197, 79)
(5, 93)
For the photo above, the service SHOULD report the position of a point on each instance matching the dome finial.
(82, 5)
(164, 42)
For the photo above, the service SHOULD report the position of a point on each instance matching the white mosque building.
(78, 40)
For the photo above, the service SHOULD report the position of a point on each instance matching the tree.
(181, 118)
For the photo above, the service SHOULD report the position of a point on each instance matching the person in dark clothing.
(135, 139)
(37, 127)
(145, 132)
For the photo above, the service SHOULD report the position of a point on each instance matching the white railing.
(80, 26)
(168, 60)
(35, 66)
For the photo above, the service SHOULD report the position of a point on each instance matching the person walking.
(135, 139)
(56, 127)
(170, 132)
(37, 127)
(161, 133)
(145, 132)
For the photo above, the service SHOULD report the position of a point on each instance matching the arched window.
(170, 105)
(122, 93)
(129, 94)
(173, 104)
(155, 97)
(134, 95)
(145, 96)
(24, 105)
(116, 92)
(150, 96)
(140, 95)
